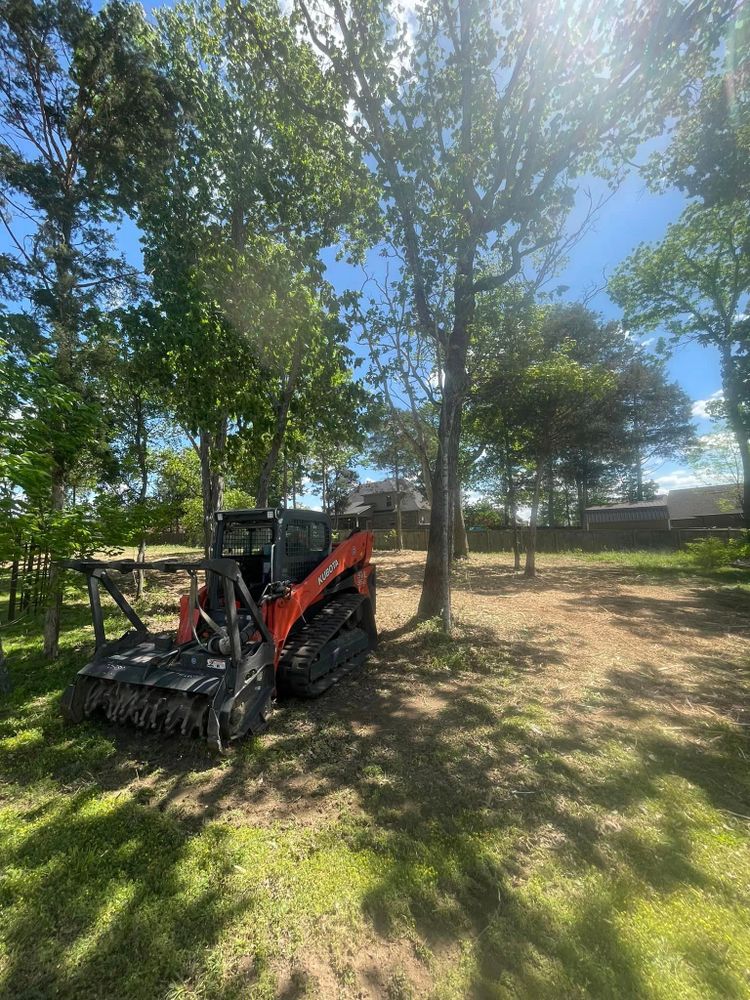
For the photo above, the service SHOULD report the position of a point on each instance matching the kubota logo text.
(327, 572)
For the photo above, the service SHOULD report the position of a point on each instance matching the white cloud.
(679, 479)
(699, 406)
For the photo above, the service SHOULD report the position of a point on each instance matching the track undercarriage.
(321, 652)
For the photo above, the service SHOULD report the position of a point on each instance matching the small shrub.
(713, 553)
(388, 539)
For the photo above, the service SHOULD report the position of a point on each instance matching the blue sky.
(633, 215)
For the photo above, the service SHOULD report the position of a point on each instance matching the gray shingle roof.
(704, 501)
(385, 486)
(638, 505)
(696, 501)
(411, 498)
(356, 506)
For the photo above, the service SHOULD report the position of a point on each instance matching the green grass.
(662, 563)
(494, 847)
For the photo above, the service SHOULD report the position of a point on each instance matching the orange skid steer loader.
(281, 610)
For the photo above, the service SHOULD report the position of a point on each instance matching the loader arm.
(348, 560)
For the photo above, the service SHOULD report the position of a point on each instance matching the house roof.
(356, 507)
(697, 501)
(385, 486)
(705, 501)
(646, 510)
(660, 501)
(411, 498)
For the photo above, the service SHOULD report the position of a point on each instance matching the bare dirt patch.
(588, 646)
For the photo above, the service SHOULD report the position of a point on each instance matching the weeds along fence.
(27, 581)
(564, 539)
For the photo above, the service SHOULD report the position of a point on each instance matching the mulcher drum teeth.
(144, 706)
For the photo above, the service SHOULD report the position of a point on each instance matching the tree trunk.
(141, 446)
(512, 508)
(64, 336)
(582, 497)
(54, 584)
(530, 569)
(212, 447)
(638, 477)
(37, 581)
(26, 581)
(427, 474)
(399, 526)
(732, 401)
(637, 447)
(436, 589)
(279, 432)
(13, 588)
(435, 599)
(138, 574)
(324, 486)
(5, 681)
(551, 520)
(460, 540)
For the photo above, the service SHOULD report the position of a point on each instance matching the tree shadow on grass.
(464, 791)
(458, 786)
(704, 611)
(110, 901)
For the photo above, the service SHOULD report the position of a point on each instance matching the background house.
(706, 507)
(373, 505)
(696, 507)
(620, 516)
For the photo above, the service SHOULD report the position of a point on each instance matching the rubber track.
(301, 649)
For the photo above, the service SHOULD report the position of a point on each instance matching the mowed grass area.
(554, 804)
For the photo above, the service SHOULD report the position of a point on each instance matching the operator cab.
(272, 544)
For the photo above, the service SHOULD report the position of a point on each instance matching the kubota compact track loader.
(281, 609)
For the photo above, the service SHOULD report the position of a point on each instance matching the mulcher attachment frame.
(218, 689)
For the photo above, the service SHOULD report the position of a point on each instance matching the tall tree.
(85, 110)
(233, 229)
(695, 284)
(655, 419)
(708, 156)
(476, 121)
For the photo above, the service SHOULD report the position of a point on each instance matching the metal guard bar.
(96, 572)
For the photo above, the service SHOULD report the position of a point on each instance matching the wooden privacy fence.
(564, 539)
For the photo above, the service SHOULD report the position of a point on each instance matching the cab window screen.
(305, 544)
(318, 536)
(246, 539)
